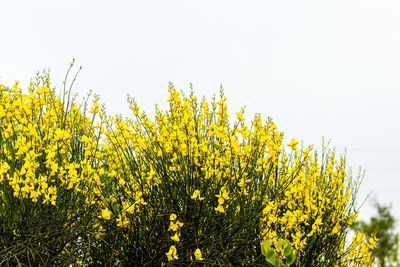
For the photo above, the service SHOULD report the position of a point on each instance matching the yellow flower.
(224, 195)
(372, 241)
(335, 229)
(196, 195)
(122, 221)
(4, 167)
(293, 144)
(175, 237)
(34, 195)
(239, 116)
(172, 217)
(173, 226)
(197, 254)
(105, 214)
(171, 254)
(220, 209)
(305, 152)
(15, 233)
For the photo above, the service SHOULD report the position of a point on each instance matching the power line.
(374, 150)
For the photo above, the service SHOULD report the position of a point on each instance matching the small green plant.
(267, 249)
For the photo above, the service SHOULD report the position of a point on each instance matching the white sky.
(318, 68)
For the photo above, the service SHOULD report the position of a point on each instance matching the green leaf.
(288, 250)
(290, 259)
(275, 260)
(265, 245)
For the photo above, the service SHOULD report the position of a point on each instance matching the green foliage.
(271, 255)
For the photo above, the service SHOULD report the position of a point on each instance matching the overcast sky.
(318, 68)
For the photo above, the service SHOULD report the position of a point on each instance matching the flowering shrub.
(47, 175)
(187, 187)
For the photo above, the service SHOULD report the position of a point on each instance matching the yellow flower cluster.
(222, 196)
(130, 171)
(314, 204)
(39, 153)
(190, 139)
(172, 254)
(174, 226)
(358, 252)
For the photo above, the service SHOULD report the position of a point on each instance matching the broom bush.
(187, 187)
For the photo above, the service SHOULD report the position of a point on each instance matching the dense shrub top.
(185, 188)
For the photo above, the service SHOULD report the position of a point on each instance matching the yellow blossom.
(172, 254)
(175, 237)
(220, 209)
(197, 254)
(293, 144)
(105, 214)
(196, 195)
